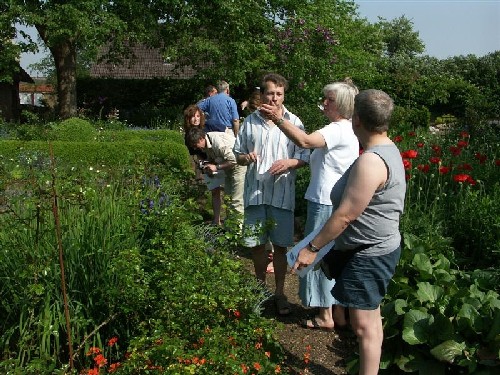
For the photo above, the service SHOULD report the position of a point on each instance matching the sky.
(447, 27)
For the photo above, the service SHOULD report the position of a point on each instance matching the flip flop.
(282, 306)
(305, 324)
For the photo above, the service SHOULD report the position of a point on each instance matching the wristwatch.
(218, 167)
(280, 122)
(313, 248)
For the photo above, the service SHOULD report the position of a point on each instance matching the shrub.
(74, 130)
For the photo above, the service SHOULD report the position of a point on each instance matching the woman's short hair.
(374, 109)
(189, 112)
(344, 97)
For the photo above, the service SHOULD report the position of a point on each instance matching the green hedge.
(145, 135)
(168, 153)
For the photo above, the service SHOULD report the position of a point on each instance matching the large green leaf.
(416, 327)
(469, 318)
(448, 350)
(423, 264)
(428, 293)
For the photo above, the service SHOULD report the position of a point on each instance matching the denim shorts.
(364, 280)
(264, 222)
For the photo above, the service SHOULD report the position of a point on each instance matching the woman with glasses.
(335, 149)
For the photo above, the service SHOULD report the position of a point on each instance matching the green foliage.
(169, 153)
(73, 130)
(436, 317)
(399, 37)
(139, 267)
(404, 119)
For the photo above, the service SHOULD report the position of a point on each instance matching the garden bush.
(168, 153)
(73, 130)
(142, 276)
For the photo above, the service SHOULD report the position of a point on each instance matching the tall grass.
(98, 228)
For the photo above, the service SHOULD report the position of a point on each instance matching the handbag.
(334, 262)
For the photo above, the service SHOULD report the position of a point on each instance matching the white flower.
(91, 168)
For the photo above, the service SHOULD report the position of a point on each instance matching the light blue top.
(270, 144)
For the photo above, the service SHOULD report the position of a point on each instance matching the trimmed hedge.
(168, 153)
(145, 135)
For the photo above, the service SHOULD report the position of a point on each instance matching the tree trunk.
(64, 55)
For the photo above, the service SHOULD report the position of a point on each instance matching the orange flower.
(277, 370)
(258, 345)
(244, 368)
(268, 354)
(93, 350)
(112, 341)
(93, 371)
(257, 366)
(113, 367)
(100, 360)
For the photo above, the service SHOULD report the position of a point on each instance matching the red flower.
(112, 341)
(464, 167)
(462, 144)
(410, 154)
(407, 164)
(455, 150)
(464, 134)
(407, 177)
(398, 139)
(471, 181)
(420, 144)
(482, 158)
(256, 366)
(412, 134)
(237, 314)
(92, 371)
(461, 177)
(444, 170)
(113, 367)
(436, 149)
(244, 368)
(424, 167)
(268, 354)
(100, 360)
(435, 160)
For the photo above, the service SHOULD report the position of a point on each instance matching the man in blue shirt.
(222, 111)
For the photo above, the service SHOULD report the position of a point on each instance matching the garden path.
(326, 351)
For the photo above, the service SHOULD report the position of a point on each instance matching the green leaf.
(428, 293)
(416, 327)
(469, 317)
(448, 350)
(422, 263)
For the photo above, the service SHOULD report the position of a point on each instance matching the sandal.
(282, 306)
(314, 325)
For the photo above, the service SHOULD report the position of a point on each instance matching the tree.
(65, 27)
(399, 37)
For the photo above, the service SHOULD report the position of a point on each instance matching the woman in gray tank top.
(368, 201)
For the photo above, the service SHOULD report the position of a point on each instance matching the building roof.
(144, 63)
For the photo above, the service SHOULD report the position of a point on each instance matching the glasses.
(321, 102)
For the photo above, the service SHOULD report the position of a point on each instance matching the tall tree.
(400, 38)
(66, 26)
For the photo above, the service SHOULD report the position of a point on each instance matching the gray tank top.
(379, 223)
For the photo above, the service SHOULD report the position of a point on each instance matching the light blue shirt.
(270, 144)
